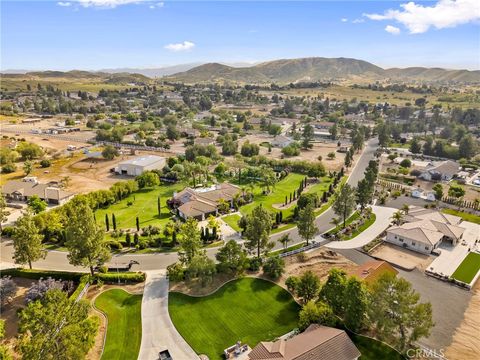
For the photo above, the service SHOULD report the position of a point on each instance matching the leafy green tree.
(308, 286)
(27, 167)
(36, 204)
(27, 241)
(29, 151)
(147, 179)
(467, 147)
(292, 284)
(231, 258)
(364, 193)
(344, 203)
(56, 327)
(109, 152)
(85, 240)
(397, 316)
(334, 288)
(4, 213)
(190, 242)
(4, 351)
(415, 147)
(319, 313)
(258, 227)
(438, 189)
(307, 136)
(355, 304)
(268, 178)
(202, 267)
(284, 240)
(456, 191)
(306, 223)
(274, 267)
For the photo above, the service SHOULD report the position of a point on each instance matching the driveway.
(448, 301)
(158, 332)
(382, 221)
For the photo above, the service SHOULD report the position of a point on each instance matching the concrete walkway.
(158, 332)
(382, 221)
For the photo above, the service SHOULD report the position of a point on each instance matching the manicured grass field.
(124, 331)
(144, 206)
(372, 349)
(249, 310)
(232, 221)
(465, 216)
(469, 267)
(283, 189)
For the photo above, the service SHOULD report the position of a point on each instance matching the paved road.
(323, 222)
(158, 331)
(448, 302)
(57, 260)
(382, 221)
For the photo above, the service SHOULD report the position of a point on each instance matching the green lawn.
(348, 221)
(249, 310)
(283, 188)
(144, 206)
(469, 267)
(372, 349)
(465, 216)
(232, 221)
(124, 331)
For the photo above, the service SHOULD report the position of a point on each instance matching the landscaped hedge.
(125, 277)
(37, 274)
(83, 282)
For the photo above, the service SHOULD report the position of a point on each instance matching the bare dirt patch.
(403, 258)
(466, 342)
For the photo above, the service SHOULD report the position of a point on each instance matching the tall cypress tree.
(159, 207)
(114, 222)
(107, 223)
(138, 224)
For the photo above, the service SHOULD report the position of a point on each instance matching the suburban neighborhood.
(286, 206)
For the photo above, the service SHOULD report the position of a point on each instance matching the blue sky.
(96, 34)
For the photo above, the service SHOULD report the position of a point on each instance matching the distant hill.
(319, 69)
(116, 78)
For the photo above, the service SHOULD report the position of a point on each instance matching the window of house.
(401, 240)
(413, 243)
(427, 248)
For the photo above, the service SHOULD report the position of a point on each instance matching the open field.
(64, 84)
(250, 310)
(232, 221)
(124, 331)
(468, 268)
(276, 198)
(144, 206)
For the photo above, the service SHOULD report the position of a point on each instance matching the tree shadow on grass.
(261, 285)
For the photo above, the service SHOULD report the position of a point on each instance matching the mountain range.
(321, 69)
(276, 71)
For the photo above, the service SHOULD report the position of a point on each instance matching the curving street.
(57, 260)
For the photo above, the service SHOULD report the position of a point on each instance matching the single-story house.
(201, 203)
(419, 193)
(371, 270)
(281, 141)
(316, 342)
(22, 190)
(138, 165)
(445, 171)
(324, 125)
(424, 230)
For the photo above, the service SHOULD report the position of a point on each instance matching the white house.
(138, 165)
(281, 141)
(425, 229)
(444, 171)
(421, 194)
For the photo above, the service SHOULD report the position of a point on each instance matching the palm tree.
(405, 208)
(397, 217)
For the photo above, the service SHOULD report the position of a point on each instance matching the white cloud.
(344, 20)
(392, 30)
(108, 4)
(183, 46)
(358, 21)
(157, 5)
(64, 4)
(444, 14)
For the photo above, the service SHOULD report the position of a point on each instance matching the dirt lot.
(466, 342)
(319, 261)
(406, 259)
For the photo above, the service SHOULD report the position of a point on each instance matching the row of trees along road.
(85, 239)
